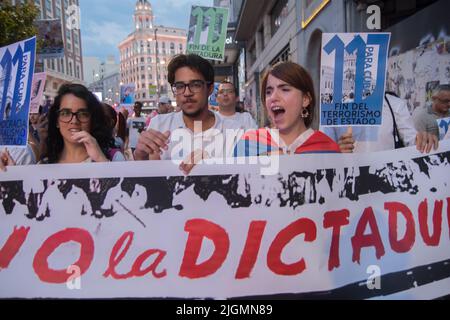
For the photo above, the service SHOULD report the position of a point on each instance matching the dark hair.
(99, 128)
(236, 92)
(295, 75)
(139, 104)
(122, 126)
(193, 62)
(111, 114)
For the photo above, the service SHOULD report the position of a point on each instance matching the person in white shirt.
(135, 125)
(194, 133)
(371, 139)
(227, 99)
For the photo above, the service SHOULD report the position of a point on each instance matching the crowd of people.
(78, 128)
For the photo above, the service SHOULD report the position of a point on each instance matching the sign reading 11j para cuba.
(16, 76)
(207, 32)
(353, 76)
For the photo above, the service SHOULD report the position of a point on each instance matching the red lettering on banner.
(12, 246)
(117, 255)
(199, 229)
(335, 220)
(405, 244)
(360, 240)
(251, 249)
(303, 225)
(40, 262)
(137, 265)
(431, 240)
(448, 215)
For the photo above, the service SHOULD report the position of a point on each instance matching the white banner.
(326, 226)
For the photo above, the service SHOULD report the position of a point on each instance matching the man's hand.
(346, 142)
(151, 142)
(191, 160)
(6, 160)
(425, 141)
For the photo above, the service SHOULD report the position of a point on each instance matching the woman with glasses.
(288, 94)
(78, 130)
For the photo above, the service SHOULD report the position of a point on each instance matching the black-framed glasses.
(65, 115)
(194, 86)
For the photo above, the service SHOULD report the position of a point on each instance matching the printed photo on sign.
(16, 77)
(127, 94)
(207, 32)
(52, 45)
(352, 78)
(37, 91)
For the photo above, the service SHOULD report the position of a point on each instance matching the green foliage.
(17, 22)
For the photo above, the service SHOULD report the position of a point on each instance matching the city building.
(145, 53)
(69, 67)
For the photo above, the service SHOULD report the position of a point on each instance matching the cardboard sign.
(353, 76)
(16, 76)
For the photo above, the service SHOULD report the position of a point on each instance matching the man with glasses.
(227, 99)
(195, 132)
(425, 119)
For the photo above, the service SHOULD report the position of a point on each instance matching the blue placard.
(213, 96)
(16, 77)
(353, 77)
(443, 125)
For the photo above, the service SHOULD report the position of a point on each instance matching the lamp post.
(157, 67)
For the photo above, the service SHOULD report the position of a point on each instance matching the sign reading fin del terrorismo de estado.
(207, 32)
(353, 77)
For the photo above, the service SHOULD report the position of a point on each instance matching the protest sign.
(50, 35)
(127, 92)
(325, 226)
(37, 91)
(207, 32)
(16, 76)
(353, 76)
(443, 125)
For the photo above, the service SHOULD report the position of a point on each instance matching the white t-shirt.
(135, 126)
(371, 139)
(244, 120)
(218, 141)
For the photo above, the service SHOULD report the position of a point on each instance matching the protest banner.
(51, 39)
(207, 32)
(37, 91)
(16, 76)
(443, 125)
(367, 226)
(353, 76)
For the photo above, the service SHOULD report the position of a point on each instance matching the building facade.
(145, 53)
(69, 67)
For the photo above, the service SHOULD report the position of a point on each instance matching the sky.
(105, 23)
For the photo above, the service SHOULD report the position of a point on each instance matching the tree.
(17, 22)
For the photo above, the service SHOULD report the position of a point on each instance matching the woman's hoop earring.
(305, 113)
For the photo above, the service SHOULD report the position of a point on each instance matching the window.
(278, 15)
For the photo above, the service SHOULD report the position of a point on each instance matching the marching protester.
(425, 118)
(112, 119)
(135, 125)
(191, 78)
(77, 128)
(396, 131)
(228, 98)
(287, 92)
